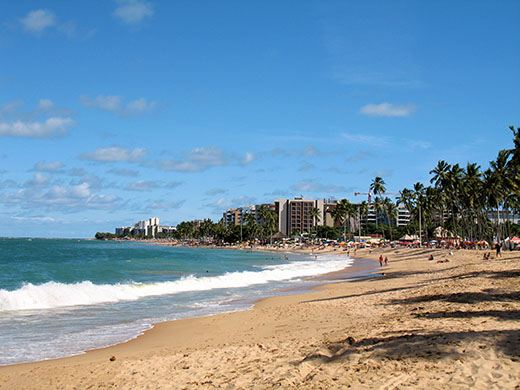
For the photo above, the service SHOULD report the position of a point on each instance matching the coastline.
(350, 270)
(416, 320)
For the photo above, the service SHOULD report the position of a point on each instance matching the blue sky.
(115, 111)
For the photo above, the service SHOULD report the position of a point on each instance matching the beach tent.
(408, 237)
(515, 240)
(441, 233)
(278, 236)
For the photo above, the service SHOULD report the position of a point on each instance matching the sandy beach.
(416, 324)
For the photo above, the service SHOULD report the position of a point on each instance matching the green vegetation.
(461, 199)
(104, 236)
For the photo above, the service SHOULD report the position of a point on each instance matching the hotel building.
(295, 214)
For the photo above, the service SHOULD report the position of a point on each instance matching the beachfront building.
(237, 216)
(295, 214)
(402, 217)
(328, 207)
(166, 229)
(124, 231)
(503, 216)
(148, 227)
(232, 216)
(258, 207)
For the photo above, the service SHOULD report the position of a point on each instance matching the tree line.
(459, 199)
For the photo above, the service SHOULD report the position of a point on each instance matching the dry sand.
(424, 324)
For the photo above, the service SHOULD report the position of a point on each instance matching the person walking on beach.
(498, 248)
(386, 260)
(381, 260)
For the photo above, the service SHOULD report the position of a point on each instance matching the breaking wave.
(55, 294)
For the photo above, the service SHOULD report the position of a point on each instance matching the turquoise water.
(63, 297)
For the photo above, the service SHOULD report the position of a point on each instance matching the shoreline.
(310, 283)
(453, 324)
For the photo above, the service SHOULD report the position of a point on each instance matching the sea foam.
(54, 294)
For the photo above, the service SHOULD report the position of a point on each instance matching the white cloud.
(37, 21)
(52, 127)
(278, 192)
(383, 173)
(173, 184)
(243, 200)
(133, 11)
(216, 191)
(163, 205)
(221, 204)
(9, 183)
(359, 156)
(248, 159)
(305, 166)
(139, 106)
(141, 185)
(39, 180)
(313, 186)
(93, 181)
(115, 154)
(377, 79)
(35, 219)
(124, 172)
(45, 104)
(417, 144)
(106, 103)
(199, 159)
(11, 107)
(74, 198)
(115, 105)
(48, 167)
(68, 28)
(371, 140)
(387, 109)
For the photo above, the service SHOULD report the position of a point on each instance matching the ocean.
(63, 297)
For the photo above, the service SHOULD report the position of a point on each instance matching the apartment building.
(402, 214)
(295, 214)
(237, 216)
(147, 227)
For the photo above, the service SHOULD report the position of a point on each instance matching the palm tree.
(472, 182)
(406, 198)
(253, 230)
(206, 229)
(345, 209)
(337, 214)
(440, 179)
(363, 210)
(315, 213)
(418, 194)
(186, 229)
(440, 174)
(270, 221)
(378, 208)
(499, 169)
(390, 213)
(514, 163)
(454, 187)
(377, 186)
